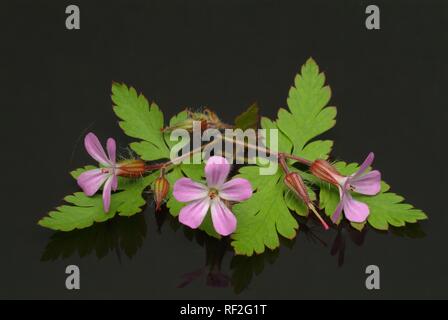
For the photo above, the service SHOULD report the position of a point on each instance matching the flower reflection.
(345, 232)
(339, 242)
(221, 268)
(215, 250)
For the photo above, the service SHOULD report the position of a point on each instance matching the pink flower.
(365, 183)
(90, 181)
(202, 197)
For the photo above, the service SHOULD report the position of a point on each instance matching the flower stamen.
(213, 193)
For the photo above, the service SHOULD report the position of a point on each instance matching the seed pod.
(325, 171)
(295, 184)
(131, 168)
(161, 187)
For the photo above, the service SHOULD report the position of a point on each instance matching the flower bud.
(161, 187)
(326, 172)
(131, 168)
(213, 120)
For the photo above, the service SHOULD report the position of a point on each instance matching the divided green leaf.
(82, 211)
(267, 214)
(140, 120)
(308, 114)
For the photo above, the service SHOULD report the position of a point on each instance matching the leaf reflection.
(222, 268)
(121, 234)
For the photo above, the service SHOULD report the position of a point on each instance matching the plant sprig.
(303, 182)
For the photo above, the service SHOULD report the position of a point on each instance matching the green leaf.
(192, 171)
(284, 143)
(308, 114)
(265, 216)
(296, 204)
(139, 120)
(82, 211)
(386, 208)
(181, 116)
(248, 119)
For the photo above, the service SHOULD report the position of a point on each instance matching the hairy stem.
(280, 155)
(167, 164)
(267, 150)
(299, 159)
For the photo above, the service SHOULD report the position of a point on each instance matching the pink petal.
(363, 167)
(337, 213)
(237, 189)
(354, 210)
(186, 190)
(193, 214)
(94, 148)
(107, 193)
(223, 219)
(112, 150)
(369, 184)
(115, 183)
(216, 171)
(90, 181)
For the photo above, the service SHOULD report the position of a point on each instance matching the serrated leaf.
(386, 208)
(284, 143)
(308, 114)
(181, 116)
(262, 217)
(139, 120)
(267, 214)
(82, 211)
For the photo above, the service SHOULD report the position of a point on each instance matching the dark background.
(388, 85)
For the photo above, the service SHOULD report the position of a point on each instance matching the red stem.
(300, 159)
(284, 166)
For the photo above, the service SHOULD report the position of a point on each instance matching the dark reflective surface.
(388, 86)
(119, 236)
(125, 236)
